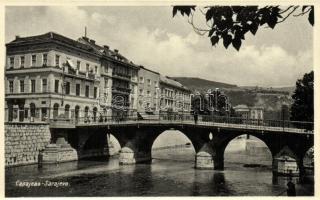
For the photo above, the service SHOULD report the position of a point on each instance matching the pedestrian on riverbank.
(291, 190)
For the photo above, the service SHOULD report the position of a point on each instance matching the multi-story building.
(174, 96)
(148, 91)
(52, 76)
(118, 78)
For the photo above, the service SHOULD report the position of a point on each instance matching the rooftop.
(47, 37)
(169, 81)
(142, 67)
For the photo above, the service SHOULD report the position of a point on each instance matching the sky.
(149, 36)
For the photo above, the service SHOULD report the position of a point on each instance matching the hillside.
(201, 84)
(269, 98)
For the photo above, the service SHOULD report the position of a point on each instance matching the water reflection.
(161, 178)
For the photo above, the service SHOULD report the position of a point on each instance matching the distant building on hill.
(255, 112)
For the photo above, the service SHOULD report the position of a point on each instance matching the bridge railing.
(202, 119)
(281, 124)
(63, 116)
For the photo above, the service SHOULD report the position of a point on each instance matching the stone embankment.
(23, 142)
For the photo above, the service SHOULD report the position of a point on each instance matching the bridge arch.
(170, 143)
(247, 149)
(100, 143)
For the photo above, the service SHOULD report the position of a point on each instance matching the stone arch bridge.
(209, 136)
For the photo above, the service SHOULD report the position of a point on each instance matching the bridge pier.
(137, 149)
(209, 157)
(128, 157)
(57, 152)
(286, 163)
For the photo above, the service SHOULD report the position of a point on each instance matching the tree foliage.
(302, 108)
(231, 23)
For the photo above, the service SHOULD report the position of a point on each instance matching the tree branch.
(303, 13)
(196, 29)
(294, 9)
(286, 10)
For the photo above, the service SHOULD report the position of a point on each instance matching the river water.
(171, 173)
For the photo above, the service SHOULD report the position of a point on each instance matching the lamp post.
(216, 99)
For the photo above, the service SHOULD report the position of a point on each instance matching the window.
(11, 86)
(148, 93)
(22, 61)
(156, 83)
(32, 110)
(67, 88)
(87, 91)
(149, 82)
(141, 91)
(44, 114)
(96, 69)
(78, 65)
(105, 83)
(44, 85)
(87, 67)
(45, 59)
(106, 69)
(141, 79)
(57, 60)
(95, 92)
(33, 60)
(11, 65)
(33, 86)
(55, 110)
(21, 85)
(56, 86)
(78, 89)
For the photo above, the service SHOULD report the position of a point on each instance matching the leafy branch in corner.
(231, 23)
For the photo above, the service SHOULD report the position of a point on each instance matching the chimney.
(116, 50)
(17, 37)
(92, 41)
(85, 38)
(106, 47)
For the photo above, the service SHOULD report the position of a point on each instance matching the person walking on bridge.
(195, 116)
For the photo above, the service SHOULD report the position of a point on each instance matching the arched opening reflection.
(247, 152)
(114, 144)
(308, 161)
(173, 145)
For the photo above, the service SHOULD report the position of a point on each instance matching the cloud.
(164, 48)
(268, 65)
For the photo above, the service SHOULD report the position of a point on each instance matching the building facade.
(43, 82)
(118, 84)
(174, 96)
(148, 91)
(53, 77)
(245, 112)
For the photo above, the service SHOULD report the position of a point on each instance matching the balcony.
(83, 75)
(121, 76)
(121, 90)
